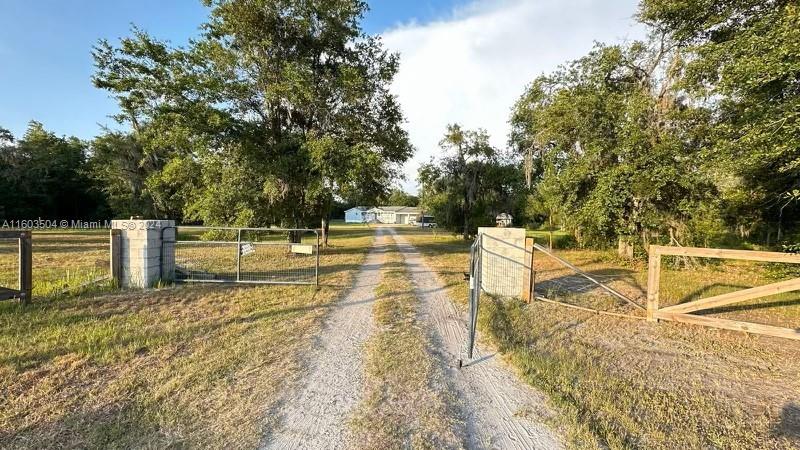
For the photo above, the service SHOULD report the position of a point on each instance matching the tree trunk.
(624, 248)
(326, 226)
(327, 205)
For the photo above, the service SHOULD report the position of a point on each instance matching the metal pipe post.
(239, 255)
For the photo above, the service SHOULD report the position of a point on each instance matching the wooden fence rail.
(680, 312)
(25, 278)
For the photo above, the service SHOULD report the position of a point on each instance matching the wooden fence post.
(653, 281)
(528, 277)
(116, 262)
(25, 266)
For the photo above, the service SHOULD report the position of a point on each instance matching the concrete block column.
(503, 261)
(140, 253)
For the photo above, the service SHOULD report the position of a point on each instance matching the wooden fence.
(25, 278)
(682, 312)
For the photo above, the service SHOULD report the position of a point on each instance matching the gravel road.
(500, 410)
(316, 416)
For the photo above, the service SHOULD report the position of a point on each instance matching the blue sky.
(461, 61)
(45, 61)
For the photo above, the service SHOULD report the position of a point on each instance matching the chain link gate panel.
(242, 255)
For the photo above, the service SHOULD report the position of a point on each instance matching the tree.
(279, 108)
(743, 60)
(121, 169)
(46, 176)
(398, 197)
(615, 147)
(471, 183)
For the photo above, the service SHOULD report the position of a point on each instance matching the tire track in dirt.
(316, 416)
(500, 411)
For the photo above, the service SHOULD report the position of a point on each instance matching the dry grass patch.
(407, 402)
(61, 259)
(632, 384)
(188, 366)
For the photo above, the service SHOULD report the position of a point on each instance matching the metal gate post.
(476, 262)
(472, 280)
(316, 268)
(115, 238)
(239, 256)
(25, 266)
(478, 287)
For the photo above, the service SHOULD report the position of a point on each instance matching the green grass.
(632, 384)
(561, 239)
(407, 403)
(185, 366)
(61, 259)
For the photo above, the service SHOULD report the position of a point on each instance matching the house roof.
(401, 209)
(359, 208)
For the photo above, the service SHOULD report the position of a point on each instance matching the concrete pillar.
(140, 251)
(503, 261)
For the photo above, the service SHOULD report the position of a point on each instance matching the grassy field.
(61, 259)
(623, 383)
(267, 262)
(407, 403)
(185, 366)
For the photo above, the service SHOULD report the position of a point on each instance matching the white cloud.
(471, 67)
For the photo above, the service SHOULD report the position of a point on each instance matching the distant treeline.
(48, 177)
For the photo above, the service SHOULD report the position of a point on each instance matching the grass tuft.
(407, 403)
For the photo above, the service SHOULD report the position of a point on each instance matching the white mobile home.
(356, 215)
(401, 215)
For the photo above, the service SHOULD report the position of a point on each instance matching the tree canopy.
(686, 137)
(43, 176)
(398, 197)
(280, 113)
(278, 108)
(471, 183)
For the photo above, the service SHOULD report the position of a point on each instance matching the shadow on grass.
(577, 284)
(789, 424)
(108, 426)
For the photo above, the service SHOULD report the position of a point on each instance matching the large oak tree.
(278, 108)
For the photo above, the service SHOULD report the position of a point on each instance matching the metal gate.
(241, 255)
(475, 288)
(498, 267)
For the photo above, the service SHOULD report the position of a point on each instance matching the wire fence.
(56, 261)
(63, 260)
(9, 265)
(502, 266)
(244, 255)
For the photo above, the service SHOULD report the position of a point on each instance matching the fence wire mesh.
(224, 255)
(502, 266)
(66, 259)
(499, 268)
(9, 264)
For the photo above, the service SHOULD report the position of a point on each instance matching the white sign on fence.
(247, 248)
(304, 249)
